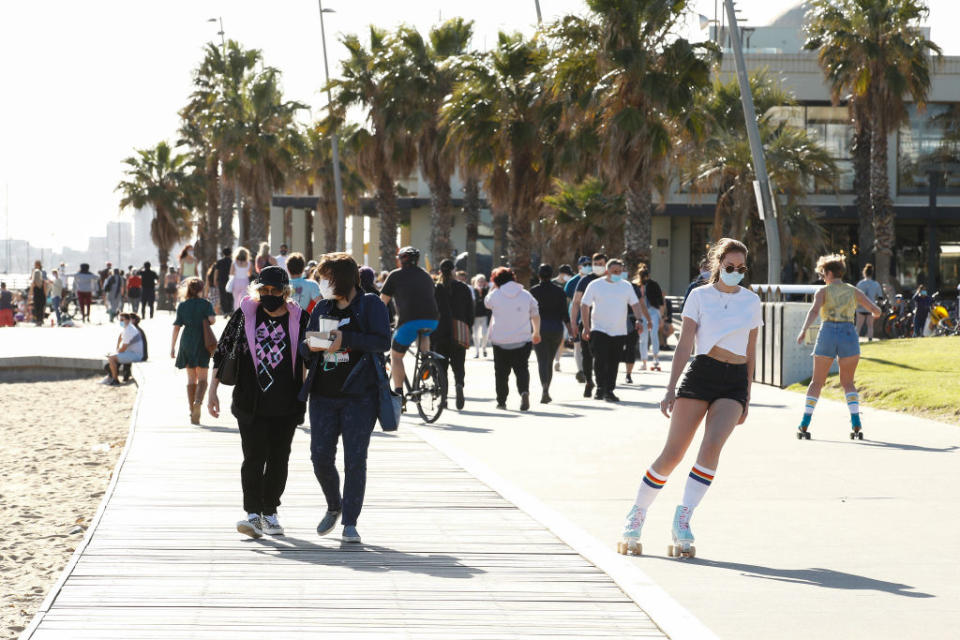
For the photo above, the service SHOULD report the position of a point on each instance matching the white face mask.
(326, 289)
(190, 253)
(705, 274)
(599, 270)
(564, 277)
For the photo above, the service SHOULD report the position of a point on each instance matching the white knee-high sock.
(697, 484)
(649, 488)
(853, 404)
(808, 407)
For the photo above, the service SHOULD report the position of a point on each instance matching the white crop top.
(723, 319)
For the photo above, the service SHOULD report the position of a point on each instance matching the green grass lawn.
(920, 376)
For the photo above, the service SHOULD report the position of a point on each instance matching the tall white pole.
(539, 15)
(335, 146)
(768, 213)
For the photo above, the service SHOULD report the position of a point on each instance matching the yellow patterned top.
(839, 303)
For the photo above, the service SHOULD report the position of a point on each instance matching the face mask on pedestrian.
(271, 303)
(616, 277)
(585, 269)
(326, 289)
(705, 275)
(190, 253)
(564, 277)
(731, 279)
(599, 269)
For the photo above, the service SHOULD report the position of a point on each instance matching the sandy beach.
(61, 442)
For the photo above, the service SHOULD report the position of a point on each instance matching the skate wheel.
(636, 549)
(693, 552)
(622, 548)
(853, 435)
(799, 435)
(670, 550)
(806, 435)
(859, 435)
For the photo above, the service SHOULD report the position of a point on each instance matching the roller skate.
(682, 546)
(630, 545)
(802, 433)
(856, 429)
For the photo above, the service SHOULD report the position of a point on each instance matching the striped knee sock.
(808, 408)
(697, 484)
(649, 488)
(853, 404)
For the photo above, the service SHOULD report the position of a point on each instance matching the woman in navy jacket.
(343, 387)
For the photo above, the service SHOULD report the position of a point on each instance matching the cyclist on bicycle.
(413, 290)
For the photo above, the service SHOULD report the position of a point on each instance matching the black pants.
(607, 354)
(266, 452)
(39, 305)
(226, 300)
(455, 356)
(546, 351)
(148, 300)
(507, 360)
(586, 350)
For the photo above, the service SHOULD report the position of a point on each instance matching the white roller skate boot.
(631, 533)
(682, 546)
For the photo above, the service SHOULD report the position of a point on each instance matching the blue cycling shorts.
(406, 333)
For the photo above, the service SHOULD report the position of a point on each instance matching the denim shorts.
(127, 357)
(837, 340)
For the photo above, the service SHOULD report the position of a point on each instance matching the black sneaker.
(524, 402)
(580, 377)
(599, 394)
(545, 398)
(610, 397)
(460, 398)
(629, 379)
(502, 405)
(588, 390)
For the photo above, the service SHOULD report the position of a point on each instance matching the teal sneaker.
(328, 523)
(683, 539)
(350, 534)
(630, 544)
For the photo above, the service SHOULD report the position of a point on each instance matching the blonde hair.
(253, 291)
(241, 251)
(834, 263)
(719, 251)
(264, 250)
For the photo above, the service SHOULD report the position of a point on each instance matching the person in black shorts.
(148, 293)
(412, 289)
(597, 270)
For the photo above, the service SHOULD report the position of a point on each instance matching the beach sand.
(60, 442)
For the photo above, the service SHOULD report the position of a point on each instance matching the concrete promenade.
(443, 556)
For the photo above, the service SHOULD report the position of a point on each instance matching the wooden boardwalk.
(444, 555)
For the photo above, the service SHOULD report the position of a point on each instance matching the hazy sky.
(85, 83)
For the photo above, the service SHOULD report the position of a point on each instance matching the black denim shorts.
(709, 379)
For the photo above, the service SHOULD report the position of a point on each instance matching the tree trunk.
(500, 223)
(210, 228)
(330, 227)
(227, 198)
(163, 253)
(883, 225)
(861, 189)
(520, 246)
(441, 222)
(245, 216)
(471, 213)
(386, 203)
(637, 231)
(309, 239)
(259, 225)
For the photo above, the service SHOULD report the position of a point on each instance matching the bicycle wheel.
(430, 391)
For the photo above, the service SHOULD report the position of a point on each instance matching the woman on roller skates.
(837, 304)
(724, 318)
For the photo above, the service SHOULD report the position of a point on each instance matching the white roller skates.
(630, 545)
(683, 539)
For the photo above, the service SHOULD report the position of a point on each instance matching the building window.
(830, 126)
(927, 139)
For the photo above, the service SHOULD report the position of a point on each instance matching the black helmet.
(409, 255)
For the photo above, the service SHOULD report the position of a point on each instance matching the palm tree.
(622, 68)
(163, 180)
(582, 215)
(268, 147)
(503, 116)
(384, 146)
(874, 51)
(432, 70)
(722, 164)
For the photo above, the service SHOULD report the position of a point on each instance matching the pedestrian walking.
(723, 318)
(281, 258)
(655, 305)
(223, 276)
(368, 280)
(193, 313)
(241, 273)
(703, 277)
(188, 266)
(38, 291)
(604, 311)
(306, 292)
(261, 340)
(148, 294)
(481, 315)
(554, 316)
(344, 396)
(56, 292)
(631, 347)
(564, 273)
(134, 290)
(171, 282)
(836, 303)
(584, 267)
(452, 337)
(6, 306)
(514, 329)
(85, 284)
(922, 301)
(210, 289)
(264, 259)
(871, 288)
(113, 293)
(598, 269)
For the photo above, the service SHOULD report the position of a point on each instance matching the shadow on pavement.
(816, 577)
(891, 445)
(488, 414)
(366, 557)
(445, 426)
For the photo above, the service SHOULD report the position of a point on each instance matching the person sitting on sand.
(129, 349)
(6, 306)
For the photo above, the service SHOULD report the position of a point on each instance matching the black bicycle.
(429, 388)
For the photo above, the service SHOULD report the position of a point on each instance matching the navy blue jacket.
(368, 313)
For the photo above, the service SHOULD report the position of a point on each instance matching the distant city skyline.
(83, 103)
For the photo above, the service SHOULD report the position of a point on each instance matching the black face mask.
(271, 303)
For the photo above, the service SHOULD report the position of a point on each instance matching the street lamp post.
(334, 142)
(539, 15)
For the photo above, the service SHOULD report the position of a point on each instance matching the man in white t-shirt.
(604, 312)
(282, 258)
(129, 348)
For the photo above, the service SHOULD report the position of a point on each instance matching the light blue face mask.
(585, 270)
(616, 277)
(731, 279)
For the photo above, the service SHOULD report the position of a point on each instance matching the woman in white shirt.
(724, 318)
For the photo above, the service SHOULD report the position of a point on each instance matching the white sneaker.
(271, 525)
(252, 526)
(106, 380)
